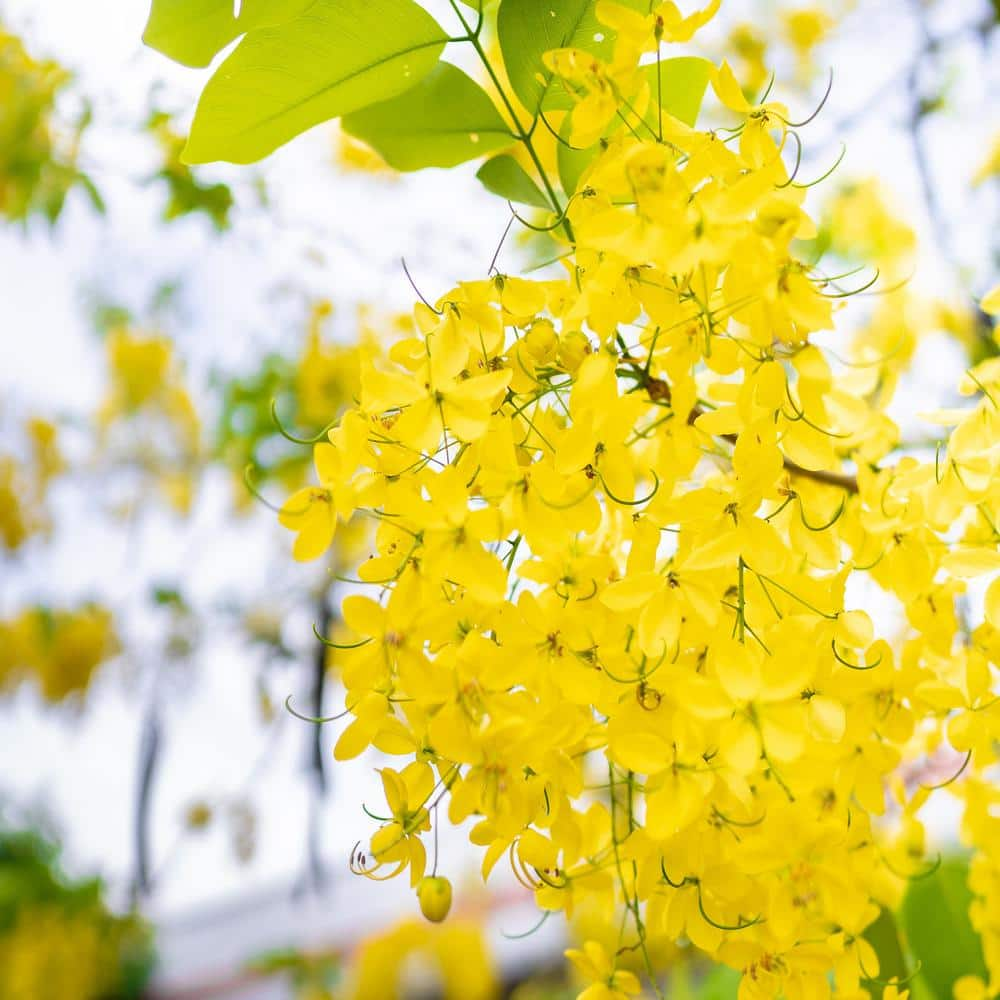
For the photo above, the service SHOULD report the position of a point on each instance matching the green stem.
(741, 600)
(523, 136)
(659, 94)
(631, 904)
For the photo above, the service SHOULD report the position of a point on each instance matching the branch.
(841, 480)
(317, 766)
(149, 754)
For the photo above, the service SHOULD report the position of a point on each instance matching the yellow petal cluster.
(24, 484)
(38, 150)
(147, 416)
(454, 958)
(628, 523)
(58, 649)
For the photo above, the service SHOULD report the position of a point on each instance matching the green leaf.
(192, 32)
(445, 119)
(721, 983)
(935, 916)
(883, 936)
(337, 57)
(681, 87)
(681, 84)
(528, 28)
(504, 176)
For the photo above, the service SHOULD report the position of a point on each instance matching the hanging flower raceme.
(618, 514)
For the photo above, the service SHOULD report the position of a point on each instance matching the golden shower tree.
(629, 510)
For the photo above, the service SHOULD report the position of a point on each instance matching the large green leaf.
(935, 916)
(445, 119)
(337, 57)
(680, 84)
(529, 28)
(504, 176)
(883, 936)
(193, 31)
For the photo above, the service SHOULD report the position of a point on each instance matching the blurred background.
(168, 826)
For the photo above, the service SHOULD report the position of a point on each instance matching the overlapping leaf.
(445, 119)
(504, 176)
(935, 915)
(678, 83)
(337, 57)
(529, 28)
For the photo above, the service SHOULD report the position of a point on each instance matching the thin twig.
(149, 755)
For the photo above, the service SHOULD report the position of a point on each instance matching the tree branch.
(659, 391)
(149, 755)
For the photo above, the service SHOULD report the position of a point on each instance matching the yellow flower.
(623, 516)
(608, 983)
(390, 963)
(328, 375)
(398, 842)
(311, 512)
(806, 28)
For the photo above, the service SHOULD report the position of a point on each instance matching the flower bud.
(434, 893)
(573, 348)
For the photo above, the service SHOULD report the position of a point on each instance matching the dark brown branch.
(149, 755)
(659, 392)
(839, 479)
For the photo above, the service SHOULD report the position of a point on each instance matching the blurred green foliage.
(38, 148)
(58, 938)
(186, 193)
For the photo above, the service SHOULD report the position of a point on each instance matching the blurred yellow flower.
(59, 650)
(453, 957)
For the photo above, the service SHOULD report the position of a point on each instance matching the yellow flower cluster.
(24, 485)
(143, 374)
(327, 377)
(806, 28)
(56, 952)
(51, 953)
(37, 157)
(756, 46)
(863, 224)
(57, 649)
(147, 394)
(619, 514)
